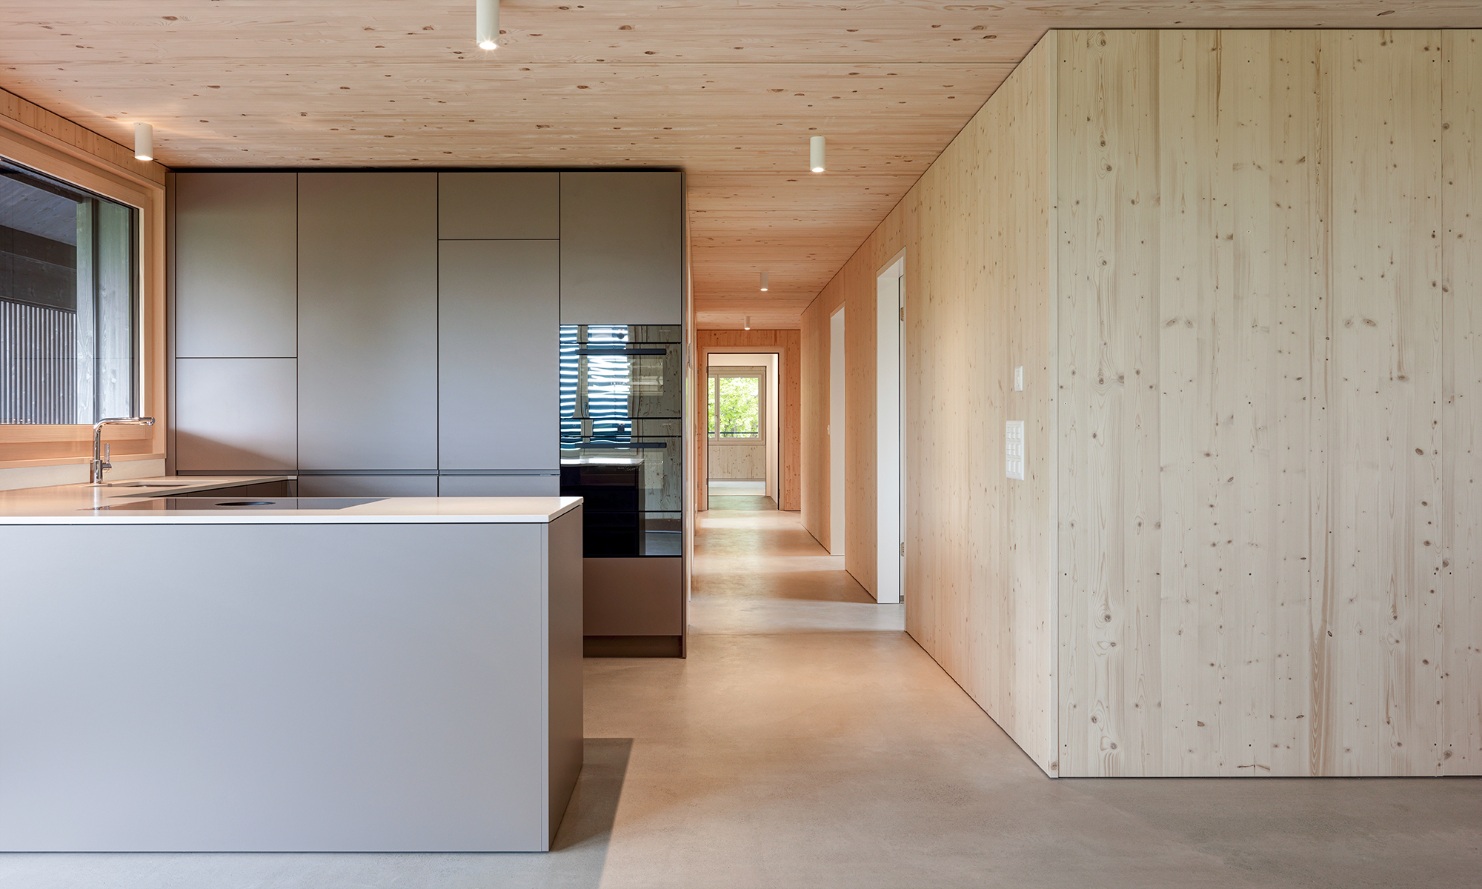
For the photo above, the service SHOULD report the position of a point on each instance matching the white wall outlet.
(1013, 448)
(1019, 378)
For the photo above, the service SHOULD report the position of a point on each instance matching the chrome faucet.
(101, 460)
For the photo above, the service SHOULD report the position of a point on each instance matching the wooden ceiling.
(728, 90)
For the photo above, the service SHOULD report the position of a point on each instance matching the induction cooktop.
(241, 504)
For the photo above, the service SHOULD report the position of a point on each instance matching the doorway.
(890, 443)
(837, 430)
(742, 448)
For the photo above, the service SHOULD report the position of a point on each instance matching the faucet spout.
(101, 458)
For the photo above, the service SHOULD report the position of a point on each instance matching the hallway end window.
(69, 302)
(736, 407)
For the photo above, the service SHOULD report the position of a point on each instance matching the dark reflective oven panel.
(621, 435)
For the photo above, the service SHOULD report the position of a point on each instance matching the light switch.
(1019, 378)
(1013, 448)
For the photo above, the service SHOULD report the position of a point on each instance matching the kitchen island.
(277, 674)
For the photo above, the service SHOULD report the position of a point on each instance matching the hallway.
(809, 742)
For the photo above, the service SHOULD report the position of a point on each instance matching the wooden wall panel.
(979, 572)
(788, 346)
(1459, 741)
(1257, 469)
(1376, 710)
(1253, 551)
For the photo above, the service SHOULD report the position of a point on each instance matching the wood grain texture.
(976, 231)
(788, 346)
(727, 91)
(733, 461)
(43, 141)
(1262, 411)
(1459, 740)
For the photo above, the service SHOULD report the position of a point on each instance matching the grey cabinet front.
(236, 265)
(235, 414)
(498, 360)
(621, 248)
(367, 485)
(367, 320)
(531, 485)
(496, 204)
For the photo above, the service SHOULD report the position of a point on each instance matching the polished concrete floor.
(809, 742)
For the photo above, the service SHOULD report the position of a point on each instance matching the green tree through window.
(735, 407)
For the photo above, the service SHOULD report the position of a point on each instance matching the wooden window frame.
(56, 445)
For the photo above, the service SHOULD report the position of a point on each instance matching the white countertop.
(88, 505)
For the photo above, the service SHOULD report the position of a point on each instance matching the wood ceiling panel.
(727, 91)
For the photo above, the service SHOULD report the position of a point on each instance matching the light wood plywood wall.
(976, 231)
(788, 346)
(1460, 748)
(1243, 271)
(1267, 291)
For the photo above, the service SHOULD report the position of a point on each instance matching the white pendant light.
(486, 24)
(144, 141)
(764, 282)
(815, 154)
(746, 323)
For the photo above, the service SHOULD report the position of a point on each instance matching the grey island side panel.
(284, 688)
(367, 321)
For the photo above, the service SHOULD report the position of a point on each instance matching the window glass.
(69, 302)
(736, 407)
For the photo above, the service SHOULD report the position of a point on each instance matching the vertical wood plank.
(1381, 599)
(1459, 746)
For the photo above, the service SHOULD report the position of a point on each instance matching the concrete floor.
(808, 742)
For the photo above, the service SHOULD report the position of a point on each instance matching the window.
(69, 302)
(736, 405)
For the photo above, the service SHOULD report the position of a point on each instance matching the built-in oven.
(621, 397)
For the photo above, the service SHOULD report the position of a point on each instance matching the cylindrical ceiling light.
(486, 24)
(815, 154)
(746, 323)
(144, 141)
(764, 282)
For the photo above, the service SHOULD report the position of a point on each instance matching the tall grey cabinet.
(499, 293)
(235, 300)
(367, 285)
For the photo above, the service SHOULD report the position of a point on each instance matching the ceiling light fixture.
(143, 141)
(746, 323)
(486, 24)
(764, 282)
(815, 154)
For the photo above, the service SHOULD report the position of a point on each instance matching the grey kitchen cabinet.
(498, 356)
(622, 248)
(367, 485)
(508, 485)
(509, 205)
(367, 321)
(236, 414)
(236, 273)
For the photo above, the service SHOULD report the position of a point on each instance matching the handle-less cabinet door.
(367, 321)
(498, 388)
(621, 248)
(235, 414)
(531, 485)
(498, 205)
(236, 265)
